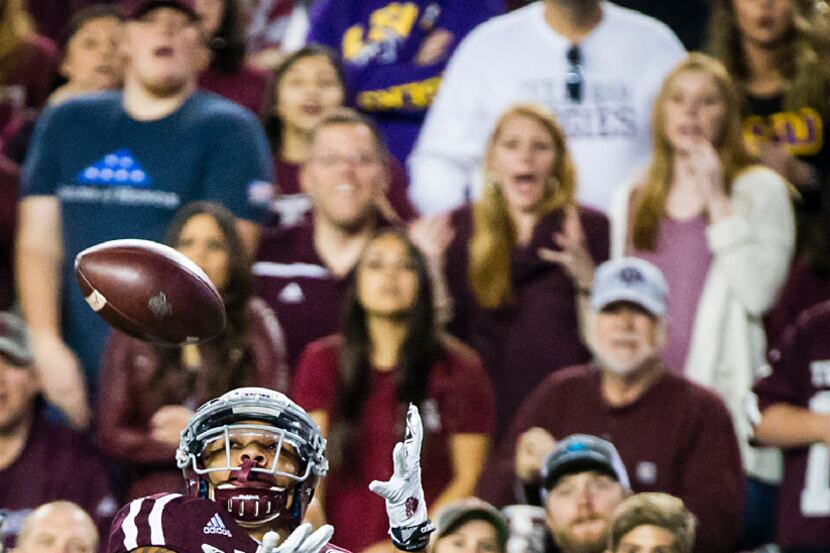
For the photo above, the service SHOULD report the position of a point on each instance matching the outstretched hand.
(574, 256)
(406, 508)
(301, 540)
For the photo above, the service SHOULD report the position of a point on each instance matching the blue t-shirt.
(117, 177)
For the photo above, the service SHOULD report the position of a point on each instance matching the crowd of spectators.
(590, 239)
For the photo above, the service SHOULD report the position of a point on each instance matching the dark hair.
(228, 42)
(235, 359)
(420, 348)
(817, 244)
(85, 15)
(273, 124)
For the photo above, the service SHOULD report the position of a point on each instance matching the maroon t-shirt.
(676, 438)
(804, 289)
(9, 183)
(292, 278)
(250, 86)
(28, 85)
(56, 463)
(538, 331)
(801, 377)
(291, 204)
(182, 524)
(459, 400)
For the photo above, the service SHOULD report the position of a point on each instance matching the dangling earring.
(551, 185)
(491, 182)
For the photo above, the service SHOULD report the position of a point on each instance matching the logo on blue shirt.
(118, 168)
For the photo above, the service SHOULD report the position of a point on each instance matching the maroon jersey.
(801, 377)
(182, 524)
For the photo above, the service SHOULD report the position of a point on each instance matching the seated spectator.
(792, 411)
(356, 385)
(652, 523)
(721, 230)
(395, 54)
(583, 480)
(517, 260)
(302, 271)
(91, 62)
(28, 62)
(309, 84)
(629, 395)
(148, 393)
(469, 525)
(91, 59)
(145, 151)
(597, 66)
(228, 74)
(777, 54)
(57, 526)
(40, 460)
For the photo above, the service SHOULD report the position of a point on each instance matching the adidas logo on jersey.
(216, 526)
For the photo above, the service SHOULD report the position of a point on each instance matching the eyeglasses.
(573, 78)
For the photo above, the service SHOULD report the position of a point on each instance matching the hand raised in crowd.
(532, 448)
(574, 256)
(434, 47)
(168, 422)
(433, 235)
(703, 166)
(61, 378)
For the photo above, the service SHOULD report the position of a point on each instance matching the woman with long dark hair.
(148, 393)
(308, 85)
(357, 386)
(228, 74)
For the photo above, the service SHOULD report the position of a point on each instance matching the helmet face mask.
(255, 452)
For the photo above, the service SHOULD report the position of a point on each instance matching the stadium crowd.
(589, 239)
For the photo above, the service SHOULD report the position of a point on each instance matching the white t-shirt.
(519, 58)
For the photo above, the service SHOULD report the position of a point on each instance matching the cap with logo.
(134, 9)
(14, 340)
(581, 453)
(452, 516)
(633, 280)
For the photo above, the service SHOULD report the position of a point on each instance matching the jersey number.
(815, 497)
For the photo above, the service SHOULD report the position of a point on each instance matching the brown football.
(150, 291)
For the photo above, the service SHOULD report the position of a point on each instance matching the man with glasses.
(596, 65)
(302, 270)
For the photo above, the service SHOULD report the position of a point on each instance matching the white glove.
(301, 540)
(409, 525)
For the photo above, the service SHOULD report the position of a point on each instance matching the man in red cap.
(117, 165)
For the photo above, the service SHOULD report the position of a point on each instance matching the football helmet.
(254, 493)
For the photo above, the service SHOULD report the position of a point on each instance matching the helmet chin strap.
(249, 498)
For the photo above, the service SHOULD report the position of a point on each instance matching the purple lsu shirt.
(801, 377)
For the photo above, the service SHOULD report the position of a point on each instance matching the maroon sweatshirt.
(676, 438)
(538, 331)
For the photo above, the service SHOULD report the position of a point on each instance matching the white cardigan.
(751, 254)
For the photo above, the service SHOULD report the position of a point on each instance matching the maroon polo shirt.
(535, 333)
(804, 289)
(249, 86)
(801, 377)
(55, 463)
(295, 282)
(292, 204)
(459, 400)
(676, 438)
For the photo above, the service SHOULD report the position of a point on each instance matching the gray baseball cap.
(630, 279)
(580, 453)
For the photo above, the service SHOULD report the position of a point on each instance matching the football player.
(252, 459)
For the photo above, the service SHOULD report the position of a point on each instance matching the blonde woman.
(519, 258)
(721, 230)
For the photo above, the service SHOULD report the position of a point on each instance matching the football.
(150, 291)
